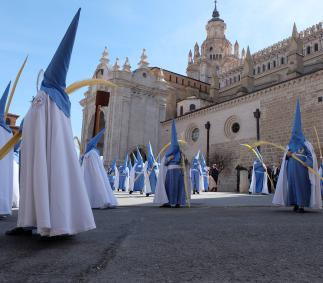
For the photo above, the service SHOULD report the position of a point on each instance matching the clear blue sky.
(167, 29)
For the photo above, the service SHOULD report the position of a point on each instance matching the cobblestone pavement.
(221, 238)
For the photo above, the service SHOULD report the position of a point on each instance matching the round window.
(235, 128)
(195, 134)
(144, 75)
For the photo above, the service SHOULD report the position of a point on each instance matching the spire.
(105, 56)
(190, 57)
(92, 144)
(215, 14)
(116, 66)
(297, 139)
(248, 56)
(161, 76)
(243, 53)
(295, 32)
(236, 49)
(143, 60)
(54, 82)
(127, 66)
(3, 102)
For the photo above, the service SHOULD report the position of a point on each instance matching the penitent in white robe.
(15, 193)
(6, 175)
(53, 196)
(97, 182)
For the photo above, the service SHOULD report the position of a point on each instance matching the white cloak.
(252, 188)
(147, 188)
(15, 193)
(6, 175)
(97, 182)
(53, 196)
(281, 193)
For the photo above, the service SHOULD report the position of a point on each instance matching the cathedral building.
(226, 99)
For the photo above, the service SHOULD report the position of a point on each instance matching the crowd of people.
(57, 190)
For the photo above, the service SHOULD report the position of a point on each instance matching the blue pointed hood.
(196, 161)
(297, 140)
(114, 165)
(174, 148)
(134, 159)
(129, 164)
(139, 157)
(150, 159)
(3, 102)
(125, 163)
(54, 82)
(203, 162)
(92, 144)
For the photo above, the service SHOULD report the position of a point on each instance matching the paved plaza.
(221, 238)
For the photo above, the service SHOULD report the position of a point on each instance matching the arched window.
(211, 48)
(192, 107)
(274, 63)
(268, 66)
(239, 78)
(181, 111)
(316, 47)
(308, 50)
(230, 81)
(182, 81)
(282, 60)
(259, 70)
(254, 71)
(263, 67)
(211, 56)
(234, 79)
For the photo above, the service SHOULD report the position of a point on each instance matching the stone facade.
(277, 106)
(226, 87)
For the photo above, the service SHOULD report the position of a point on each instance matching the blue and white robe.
(196, 178)
(170, 187)
(137, 178)
(151, 175)
(259, 184)
(123, 180)
(296, 184)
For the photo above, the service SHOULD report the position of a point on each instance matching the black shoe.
(193, 192)
(177, 206)
(166, 205)
(141, 192)
(130, 193)
(147, 195)
(198, 193)
(301, 210)
(295, 209)
(118, 190)
(19, 231)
